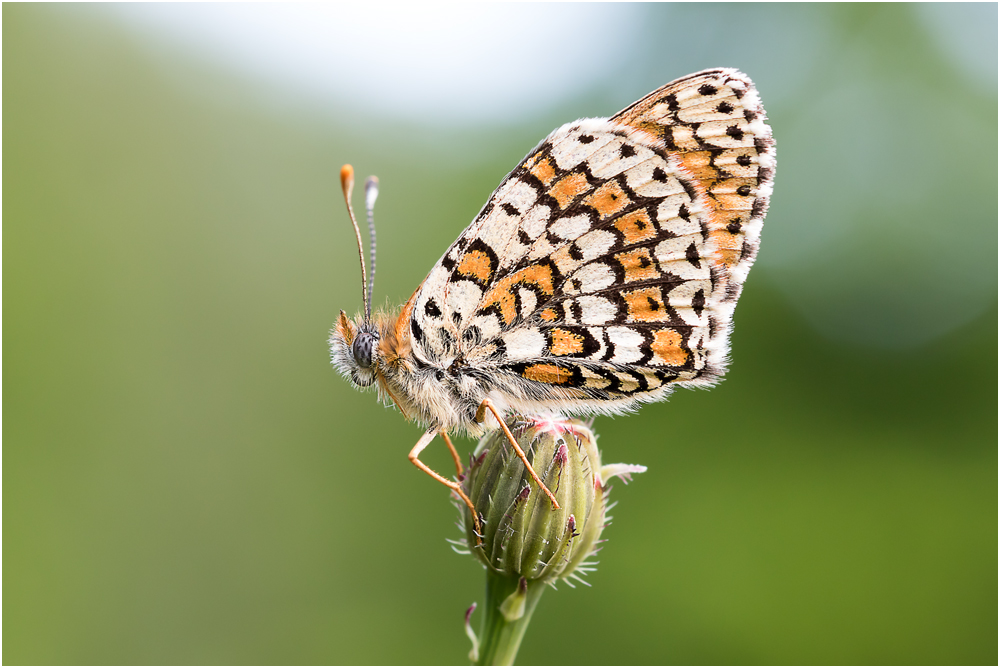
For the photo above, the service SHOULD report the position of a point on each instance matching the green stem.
(500, 639)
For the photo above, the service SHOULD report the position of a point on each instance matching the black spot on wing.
(689, 188)
(698, 302)
(510, 209)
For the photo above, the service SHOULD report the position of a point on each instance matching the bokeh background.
(186, 480)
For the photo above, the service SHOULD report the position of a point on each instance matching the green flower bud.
(526, 543)
(523, 535)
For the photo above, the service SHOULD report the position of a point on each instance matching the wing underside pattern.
(605, 268)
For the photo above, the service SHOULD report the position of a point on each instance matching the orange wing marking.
(476, 264)
(548, 373)
(568, 188)
(636, 227)
(502, 295)
(646, 305)
(566, 343)
(542, 170)
(667, 348)
(608, 200)
(638, 265)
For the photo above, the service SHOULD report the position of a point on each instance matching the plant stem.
(500, 639)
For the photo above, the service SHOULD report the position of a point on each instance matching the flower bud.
(523, 535)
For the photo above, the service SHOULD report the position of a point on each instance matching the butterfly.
(601, 274)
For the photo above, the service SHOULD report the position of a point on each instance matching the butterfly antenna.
(347, 185)
(371, 194)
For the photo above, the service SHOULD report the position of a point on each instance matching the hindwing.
(605, 267)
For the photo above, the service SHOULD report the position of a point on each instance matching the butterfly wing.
(605, 268)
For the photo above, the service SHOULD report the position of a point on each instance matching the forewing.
(606, 266)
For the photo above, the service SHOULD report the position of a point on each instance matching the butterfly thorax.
(442, 393)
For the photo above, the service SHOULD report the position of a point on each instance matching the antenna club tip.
(346, 177)
(371, 192)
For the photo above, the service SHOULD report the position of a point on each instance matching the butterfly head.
(354, 343)
(354, 349)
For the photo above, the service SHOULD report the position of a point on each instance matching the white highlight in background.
(461, 63)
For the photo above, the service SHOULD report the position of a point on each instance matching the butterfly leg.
(454, 453)
(481, 415)
(424, 441)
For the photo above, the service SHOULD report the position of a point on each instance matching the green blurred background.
(186, 480)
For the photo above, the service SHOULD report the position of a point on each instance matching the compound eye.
(362, 349)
